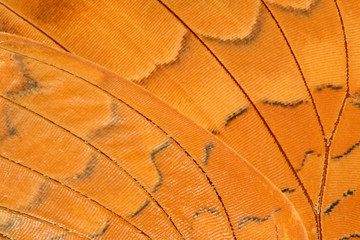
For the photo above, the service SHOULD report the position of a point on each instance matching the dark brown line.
(59, 236)
(346, 49)
(185, 151)
(347, 152)
(329, 143)
(251, 103)
(256, 218)
(352, 235)
(83, 140)
(5, 236)
(153, 154)
(43, 220)
(27, 21)
(147, 202)
(333, 205)
(288, 190)
(299, 68)
(101, 152)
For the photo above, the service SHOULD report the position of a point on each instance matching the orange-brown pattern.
(274, 80)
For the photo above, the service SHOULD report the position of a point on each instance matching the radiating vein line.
(141, 114)
(17, 212)
(299, 68)
(27, 21)
(251, 103)
(336, 124)
(5, 236)
(93, 147)
(72, 190)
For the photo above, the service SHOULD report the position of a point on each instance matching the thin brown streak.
(299, 68)
(71, 189)
(92, 146)
(145, 117)
(43, 220)
(27, 21)
(184, 47)
(5, 236)
(336, 124)
(96, 149)
(108, 157)
(252, 104)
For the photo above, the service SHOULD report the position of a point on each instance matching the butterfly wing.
(277, 68)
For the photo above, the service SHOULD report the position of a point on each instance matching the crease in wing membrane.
(196, 149)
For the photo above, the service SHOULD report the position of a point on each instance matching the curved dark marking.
(356, 104)
(256, 30)
(39, 198)
(304, 159)
(106, 129)
(328, 86)
(184, 47)
(153, 156)
(28, 86)
(335, 203)
(298, 11)
(214, 132)
(147, 202)
(349, 193)
(208, 149)
(9, 223)
(10, 129)
(88, 170)
(205, 209)
(288, 190)
(331, 207)
(202, 211)
(347, 152)
(256, 219)
(352, 235)
(102, 231)
(59, 237)
(103, 154)
(284, 104)
(6, 26)
(236, 114)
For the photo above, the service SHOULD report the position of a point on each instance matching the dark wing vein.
(27, 21)
(98, 150)
(251, 103)
(43, 220)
